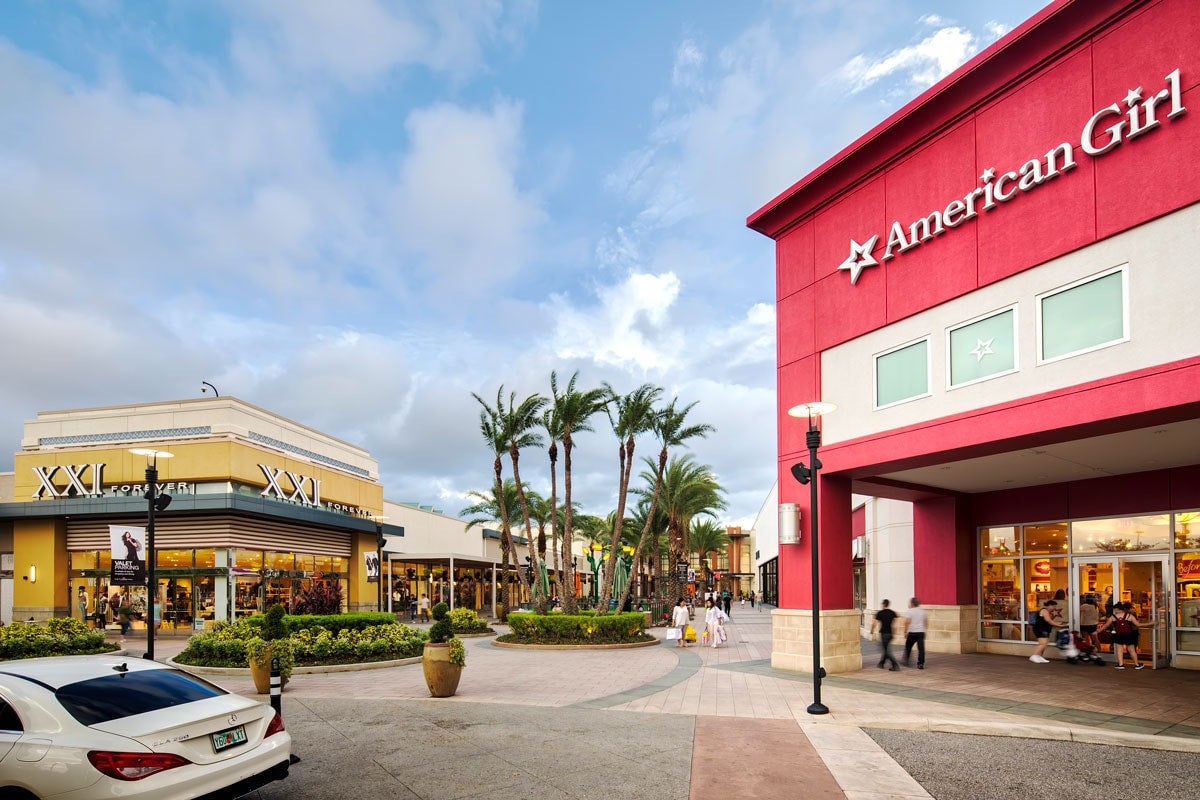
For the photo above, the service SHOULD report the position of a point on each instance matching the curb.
(1144, 741)
(319, 670)
(628, 646)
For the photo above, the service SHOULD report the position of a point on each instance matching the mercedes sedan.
(111, 726)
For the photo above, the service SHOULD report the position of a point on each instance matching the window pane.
(983, 348)
(1002, 590)
(116, 696)
(998, 541)
(902, 374)
(1049, 539)
(1187, 530)
(1046, 579)
(1083, 316)
(1123, 535)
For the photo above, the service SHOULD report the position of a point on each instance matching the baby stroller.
(1084, 651)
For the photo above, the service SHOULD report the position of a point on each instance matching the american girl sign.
(1134, 115)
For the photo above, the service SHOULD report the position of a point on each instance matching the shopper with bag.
(679, 623)
(713, 628)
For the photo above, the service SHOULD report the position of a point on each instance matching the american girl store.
(995, 287)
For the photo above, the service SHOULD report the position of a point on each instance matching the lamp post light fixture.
(154, 502)
(379, 518)
(809, 475)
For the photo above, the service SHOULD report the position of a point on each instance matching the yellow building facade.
(261, 509)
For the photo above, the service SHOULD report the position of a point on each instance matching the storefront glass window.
(279, 561)
(206, 559)
(999, 541)
(248, 559)
(173, 558)
(323, 564)
(1045, 579)
(983, 349)
(1001, 593)
(1187, 530)
(304, 562)
(1122, 535)
(1048, 539)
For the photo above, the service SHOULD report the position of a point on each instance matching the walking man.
(883, 623)
(915, 628)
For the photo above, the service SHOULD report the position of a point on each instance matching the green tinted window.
(1084, 316)
(902, 374)
(982, 348)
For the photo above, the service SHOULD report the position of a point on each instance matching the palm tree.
(630, 415)
(655, 544)
(519, 422)
(553, 425)
(706, 536)
(491, 427)
(689, 490)
(573, 408)
(672, 431)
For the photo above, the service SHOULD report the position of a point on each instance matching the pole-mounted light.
(154, 502)
(808, 475)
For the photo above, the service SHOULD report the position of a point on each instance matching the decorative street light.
(379, 518)
(809, 475)
(154, 502)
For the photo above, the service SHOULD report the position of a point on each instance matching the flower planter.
(441, 676)
(262, 674)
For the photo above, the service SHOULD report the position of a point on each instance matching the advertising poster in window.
(372, 562)
(128, 546)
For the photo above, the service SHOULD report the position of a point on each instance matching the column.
(944, 573)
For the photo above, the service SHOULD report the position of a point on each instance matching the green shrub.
(231, 645)
(273, 627)
(465, 620)
(330, 622)
(529, 628)
(261, 653)
(458, 653)
(63, 636)
(441, 630)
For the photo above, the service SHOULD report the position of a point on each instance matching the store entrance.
(1137, 580)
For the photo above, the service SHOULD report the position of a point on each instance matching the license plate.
(229, 738)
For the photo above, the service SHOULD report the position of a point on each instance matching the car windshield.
(124, 694)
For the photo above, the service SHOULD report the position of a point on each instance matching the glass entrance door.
(1143, 587)
(1137, 580)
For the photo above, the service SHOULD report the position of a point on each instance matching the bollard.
(276, 688)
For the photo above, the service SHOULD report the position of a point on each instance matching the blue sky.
(357, 213)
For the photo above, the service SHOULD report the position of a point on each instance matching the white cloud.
(457, 205)
(924, 63)
(628, 328)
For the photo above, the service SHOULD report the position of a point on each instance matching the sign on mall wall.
(1131, 117)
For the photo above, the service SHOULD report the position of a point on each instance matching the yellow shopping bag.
(689, 634)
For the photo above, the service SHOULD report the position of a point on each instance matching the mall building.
(261, 509)
(994, 287)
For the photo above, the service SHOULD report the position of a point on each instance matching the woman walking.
(713, 617)
(1042, 625)
(680, 619)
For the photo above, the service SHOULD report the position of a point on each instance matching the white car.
(80, 727)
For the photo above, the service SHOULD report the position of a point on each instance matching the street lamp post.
(809, 475)
(379, 561)
(154, 502)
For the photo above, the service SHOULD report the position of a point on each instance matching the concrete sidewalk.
(729, 701)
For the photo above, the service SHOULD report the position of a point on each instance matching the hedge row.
(529, 628)
(334, 623)
(64, 636)
(226, 645)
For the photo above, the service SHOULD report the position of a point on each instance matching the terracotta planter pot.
(262, 676)
(440, 675)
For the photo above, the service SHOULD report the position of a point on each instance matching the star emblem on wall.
(860, 257)
(982, 348)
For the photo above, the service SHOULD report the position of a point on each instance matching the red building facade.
(996, 285)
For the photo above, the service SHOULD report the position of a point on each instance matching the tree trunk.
(534, 587)
(570, 601)
(558, 576)
(626, 465)
(637, 553)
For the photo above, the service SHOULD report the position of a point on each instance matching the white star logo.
(860, 257)
(1133, 98)
(982, 349)
(988, 174)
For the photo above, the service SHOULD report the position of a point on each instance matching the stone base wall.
(952, 629)
(40, 613)
(791, 640)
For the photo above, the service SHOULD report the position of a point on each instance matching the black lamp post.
(379, 561)
(809, 475)
(154, 502)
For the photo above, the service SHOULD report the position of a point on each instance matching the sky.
(356, 214)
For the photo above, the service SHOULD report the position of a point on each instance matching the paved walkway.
(742, 707)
